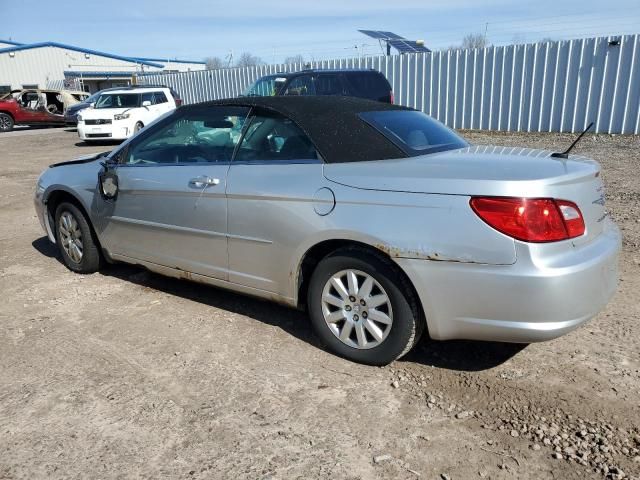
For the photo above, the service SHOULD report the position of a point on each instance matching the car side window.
(329, 84)
(302, 85)
(370, 85)
(30, 100)
(147, 97)
(275, 138)
(159, 97)
(198, 136)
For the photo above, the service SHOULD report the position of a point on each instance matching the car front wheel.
(362, 308)
(76, 240)
(6, 122)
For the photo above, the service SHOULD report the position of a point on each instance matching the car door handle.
(203, 182)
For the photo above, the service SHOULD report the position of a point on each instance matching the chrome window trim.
(279, 162)
(180, 164)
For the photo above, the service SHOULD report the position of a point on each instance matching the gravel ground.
(126, 374)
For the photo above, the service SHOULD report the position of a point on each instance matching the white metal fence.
(540, 87)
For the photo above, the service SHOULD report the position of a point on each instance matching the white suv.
(118, 114)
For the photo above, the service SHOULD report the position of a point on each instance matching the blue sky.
(275, 29)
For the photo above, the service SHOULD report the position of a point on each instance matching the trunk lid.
(486, 171)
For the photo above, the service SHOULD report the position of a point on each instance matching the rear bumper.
(537, 298)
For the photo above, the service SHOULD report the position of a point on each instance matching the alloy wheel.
(71, 236)
(357, 309)
(5, 122)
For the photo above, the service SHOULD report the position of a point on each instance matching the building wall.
(537, 87)
(46, 65)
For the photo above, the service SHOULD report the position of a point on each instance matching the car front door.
(171, 207)
(32, 107)
(270, 191)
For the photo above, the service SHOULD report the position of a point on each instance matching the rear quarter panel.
(417, 225)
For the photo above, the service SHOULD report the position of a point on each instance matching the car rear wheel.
(76, 240)
(6, 122)
(362, 308)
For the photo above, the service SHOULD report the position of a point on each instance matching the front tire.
(139, 126)
(362, 308)
(76, 240)
(6, 122)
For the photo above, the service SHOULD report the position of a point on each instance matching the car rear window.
(414, 132)
(159, 97)
(371, 85)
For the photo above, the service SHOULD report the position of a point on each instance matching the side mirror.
(146, 103)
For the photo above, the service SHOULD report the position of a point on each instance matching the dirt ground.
(126, 374)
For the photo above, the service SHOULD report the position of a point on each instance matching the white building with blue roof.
(57, 65)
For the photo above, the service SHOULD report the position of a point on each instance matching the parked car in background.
(36, 107)
(118, 114)
(369, 84)
(71, 114)
(380, 220)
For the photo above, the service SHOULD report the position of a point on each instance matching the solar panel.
(391, 36)
(408, 46)
(380, 35)
(372, 33)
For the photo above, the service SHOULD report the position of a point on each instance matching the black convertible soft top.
(331, 122)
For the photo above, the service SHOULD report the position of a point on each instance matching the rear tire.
(6, 122)
(76, 240)
(375, 320)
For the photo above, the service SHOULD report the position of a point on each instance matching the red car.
(36, 107)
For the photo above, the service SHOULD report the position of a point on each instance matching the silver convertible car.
(377, 219)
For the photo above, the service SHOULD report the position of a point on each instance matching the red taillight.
(531, 219)
(178, 102)
(391, 96)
